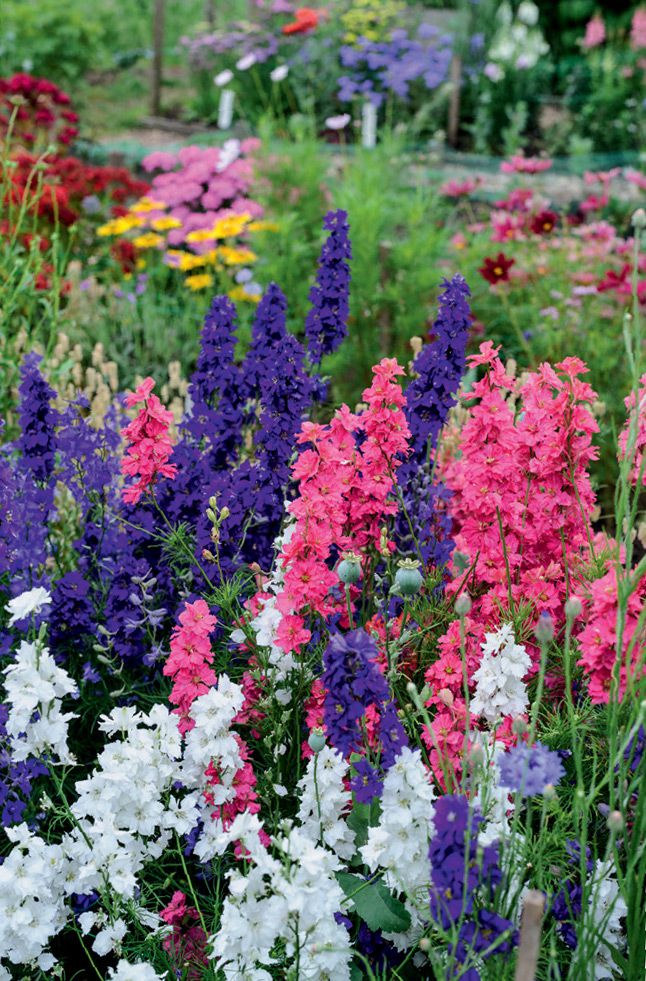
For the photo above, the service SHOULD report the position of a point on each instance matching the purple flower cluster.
(16, 779)
(568, 903)
(37, 419)
(205, 52)
(439, 367)
(528, 770)
(464, 878)
(353, 682)
(380, 67)
(326, 322)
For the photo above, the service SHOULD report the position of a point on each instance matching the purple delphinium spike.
(37, 419)
(429, 398)
(326, 324)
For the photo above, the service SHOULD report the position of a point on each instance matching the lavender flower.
(529, 769)
(326, 322)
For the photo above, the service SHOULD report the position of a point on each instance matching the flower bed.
(375, 673)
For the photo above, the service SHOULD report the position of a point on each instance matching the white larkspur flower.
(500, 690)
(34, 687)
(601, 931)
(333, 801)
(125, 971)
(32, 601)
(399, 843)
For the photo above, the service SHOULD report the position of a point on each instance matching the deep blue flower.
(365, 784)
(326, 324)
(37, 419)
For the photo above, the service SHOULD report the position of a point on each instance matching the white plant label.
(225, 108)
(368, 125)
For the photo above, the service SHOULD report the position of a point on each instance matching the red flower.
(306, 20)
(544, 222)
(496, 270)
(614, 280)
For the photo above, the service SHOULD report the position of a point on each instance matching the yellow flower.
(201, 235)
(165, 224)
(236, 257)
(141, 263)
(148, 241)
(147, 204)
(263, 226)
(199, 282)
(118, 226)
(231, 226)
(239, 293)
(184, 260)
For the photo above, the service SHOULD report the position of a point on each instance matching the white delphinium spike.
(399, 843)
(32, 908)
(125, 971)
(333, 801)
(601, 932)
(293, 900)
(500, 690)
(35, 686)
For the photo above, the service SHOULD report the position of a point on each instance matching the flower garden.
(323, 491)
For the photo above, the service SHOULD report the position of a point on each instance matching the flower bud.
(224, 513)
(549, 793)
(213, 502)
(424, 944)
(349, 568)
(463, 605)
(408, 578)
(411, 688)
(615, 821)
(573, 608)
(316, 741)
(211, 515)
(639, 218)
(544, 630)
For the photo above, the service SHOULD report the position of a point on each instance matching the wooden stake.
(455, 76)
(530, 936)
(158, 54)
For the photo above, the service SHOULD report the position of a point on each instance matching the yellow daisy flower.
(199, 282)
(148, 241)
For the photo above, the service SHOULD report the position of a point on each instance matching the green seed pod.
(408, 578)
(349, 568)
(316, 742)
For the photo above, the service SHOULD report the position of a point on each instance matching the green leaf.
(374, 903)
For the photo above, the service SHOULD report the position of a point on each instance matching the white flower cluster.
(292, 899)
(34, 689)
(499, 679)
(125, 971)
(267, 621)
(122, 820)
(324, 816)
(518, 42)
(399, 843)
(601, 932)
(31, 601)
(32, 908)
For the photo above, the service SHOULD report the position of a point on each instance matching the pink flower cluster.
(187, 942)
(598, 639)
(458, 189)
(517, 164)
(189, 661)
(345, 481)
(637, 455)
(522, 496)
(200, 185)
(244, 784)
(150, 445)
(595, 33)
